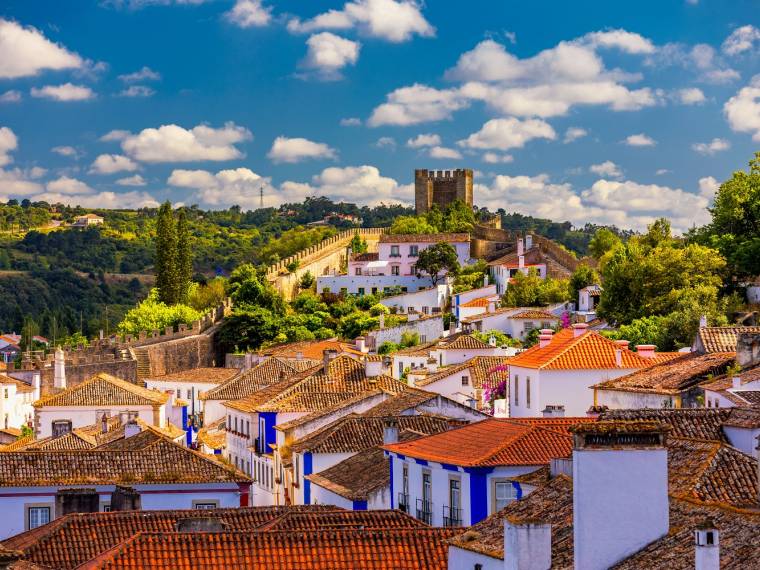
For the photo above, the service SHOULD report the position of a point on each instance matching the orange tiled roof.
(424, 238)
(727, 381)
(480, 368)
(721, 339)
(466, 342)
(535, 314)
(21, 387)
(695, 423)
(587, 351)
(200, 375)
(356, 477)
(490, 442)
(312, 349)
(306, 519)
(104, 390)
(479, 302)
(267, 373)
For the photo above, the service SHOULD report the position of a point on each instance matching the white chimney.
(579, 329)
(553, 411)
(521, 261)
(361, 344)
(390, 430)
(373, 367)
(37, 385)
(706, 547)
(491, 340)
(623, 344)
(299, 355)
(646, 350)
(736, 382)
(131, 428)
(382, 320)
(520, 247)
(528, 241)
(491, 306)
(327, 355)
(545, 337)
(485, 280)
(59, 369)
(703, 321)
(527, 546)
(618, 467)
(619, 357)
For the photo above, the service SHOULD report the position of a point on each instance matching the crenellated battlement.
(442, 188)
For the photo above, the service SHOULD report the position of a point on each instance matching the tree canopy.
(437, 258)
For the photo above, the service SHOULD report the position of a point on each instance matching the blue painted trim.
(270, 435)
(449, 467)
(518, 489)
(360, 505)
(401, 457)
(188, 430)
(420, 462)
(478, 496)
(217, 452)
(484, 470)
(307, 469)
(390, 467)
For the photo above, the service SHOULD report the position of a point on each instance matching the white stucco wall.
(81, 416)
(428, 330)
(619, 400)
(460, 559)
(15, 407)
(422, 301)
(744, 439)
(352, 283)
(183, 390)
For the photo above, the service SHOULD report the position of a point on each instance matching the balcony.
(425, 511)
(452, 517)
(403, 502)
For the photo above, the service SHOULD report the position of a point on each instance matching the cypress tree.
(167, 275)
(184, 256)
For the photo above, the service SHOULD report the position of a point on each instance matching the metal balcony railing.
(452, 516)
(425, 511)
(403, 502)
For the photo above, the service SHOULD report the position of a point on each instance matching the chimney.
(527, 546)
(103, 423)
(299, 355)
(390, 430)
(520, 247)
(131, 428)
(485, 280)
(579, 329)
(706, 546)
(703, 321)
(125, 499)
(328, 354)
(59, 370)
(202, 524)
(521, 261)
(623, 344)
(361, 344)
(553, 411)
(618, 467)
(747, 349)
(492, 341)
(596, 411)
(619, 357)
(491, 306)
(545, 337)
(646, 350)
(528, 241)
(373, 367)
(736, 382)
(37, 385)
(76, 501)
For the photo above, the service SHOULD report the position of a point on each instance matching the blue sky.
(582, 111)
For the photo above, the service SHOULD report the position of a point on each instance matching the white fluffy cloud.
(386, 142)
(16, 182)
(626, 204)
(67, 185)
(417, 104)
(110, 163)
(115, 135)
(606, 168)
(743, 109)
(144, 74)
(573, 134)
(708, 186)
(495, 158)
(111, 200)
(424, 140)
(442, 152)
(11, 96)
(8, 143)
(68, 151)
(741, 39)
(64, 92)
(135, 180)
(296, 149)
(700, 58)
(249, 14)
(504, 134)
(172, 143)
(623, 40)
(640, 140)
(239, 186)
(137, 91)
(709, 148)
(25, 51)
(328, 54)
(391, 20)
(691, 96)
(350, 122)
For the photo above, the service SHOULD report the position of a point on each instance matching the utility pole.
(261, 196)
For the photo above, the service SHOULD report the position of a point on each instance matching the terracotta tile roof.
(73, 539)
(535, 314)
(104, 390)
(269, 372)
(160, 462)
(479, 302)
(721, 339)
(20, 443)
(264, 394)
(13, 432)
(533, 256)
(198, 375)
(213, 435)
(329, 410)
(311, 350)
(338, 519)
(466, 342)
(673, 376)
(744, 417)
(727, 381)
(696, 423)
(356, 477)
(711, 472)
(551, 503)
(404, 401)
(369, 256)
(424, 238)
(354, 433)
(490, 442)
(587, 351)
(481, 370)
(399, 549)
(21, 387)
(481, 316)
(744, 397)
(418, 350)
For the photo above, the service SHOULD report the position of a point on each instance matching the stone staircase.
(140, 354)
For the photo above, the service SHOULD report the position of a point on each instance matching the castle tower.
(441, 187)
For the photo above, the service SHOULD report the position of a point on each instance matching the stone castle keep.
(441, 187)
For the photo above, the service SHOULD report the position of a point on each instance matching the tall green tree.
(184, 257)
(358, 244)
(604, 240)
(437, 258)
(582, 277)
(167, 271)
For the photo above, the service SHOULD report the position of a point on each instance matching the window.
(465, 380)
(248, 428)
(37, 516)
(528, 326)
(414, 250)
(425, 505)
(344, 291)
(358, 271)
(106, 507)
(205, 505)
(425, 310)
(504, 493)
(452, 514)
(296, 468)
(546, 325)
(374, 290)
(361, 290)
(395, 251)
(61, 427)
(262, 436)
(517, 390)
(189, 393)
(400, 369)
(413, 269)
(395, 269)
(527, 392)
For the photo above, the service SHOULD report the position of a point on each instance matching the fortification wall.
(176, 355)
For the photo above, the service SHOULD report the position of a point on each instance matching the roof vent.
(201, 524)
(579, 329)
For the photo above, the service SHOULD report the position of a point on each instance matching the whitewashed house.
(425, 301)
(522, 260)
(474, 301)
(466, 381)
(188, 385)
(516, 322)
(16, 399)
